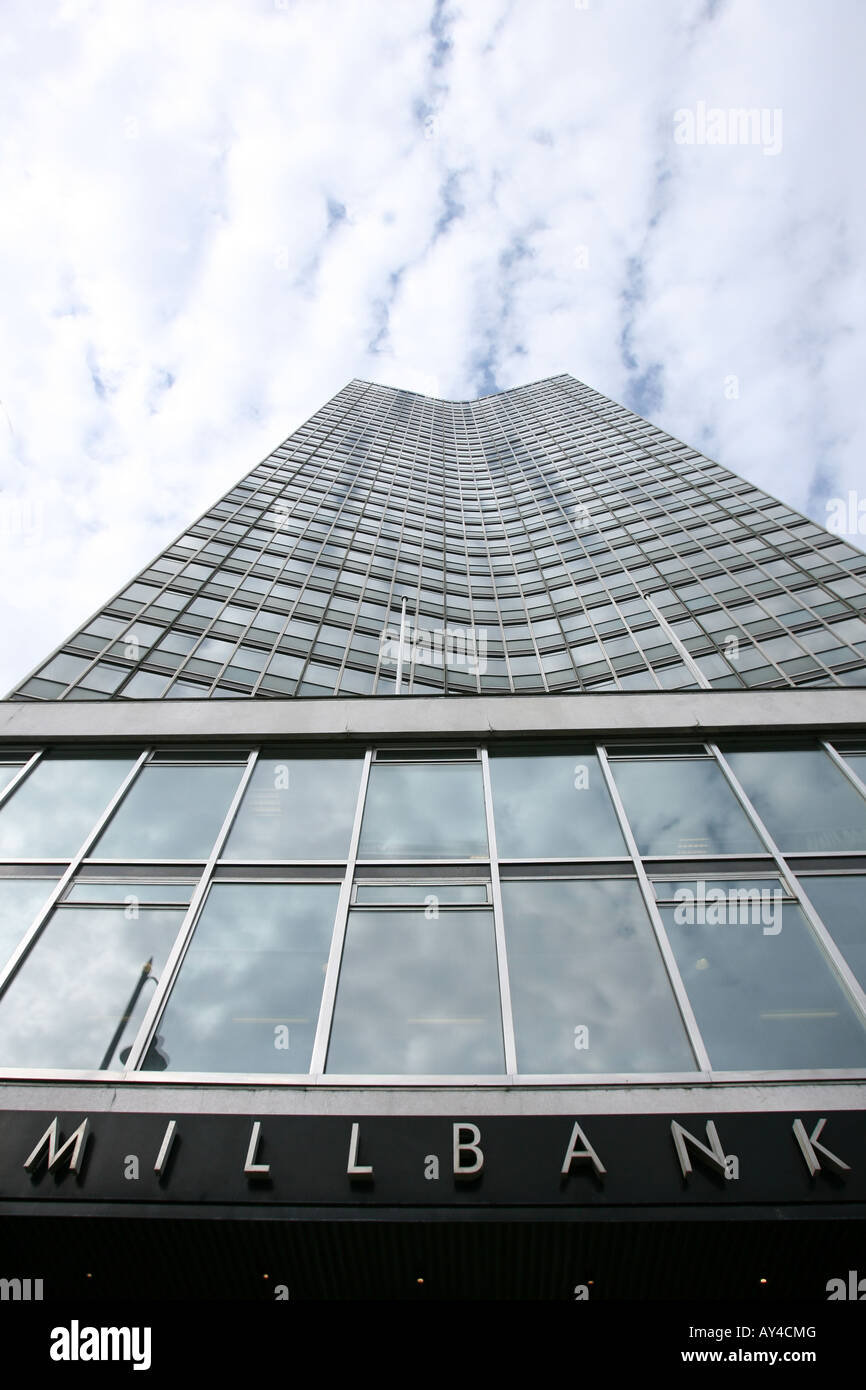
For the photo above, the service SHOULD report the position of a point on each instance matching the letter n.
(714, 1155)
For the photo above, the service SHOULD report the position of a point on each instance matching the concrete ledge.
(807, 1095)
(698, 713)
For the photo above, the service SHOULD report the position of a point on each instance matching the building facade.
(440, 873)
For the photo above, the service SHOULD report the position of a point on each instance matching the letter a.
(586, 1152)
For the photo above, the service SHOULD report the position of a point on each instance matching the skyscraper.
(472, 799)
(577, 545)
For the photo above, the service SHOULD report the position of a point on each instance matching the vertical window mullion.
(507, 1014)
(329, 989)
(690, 1022)
(178, 950)
(21, 774)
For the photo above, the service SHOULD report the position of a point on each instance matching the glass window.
(763, 993)
(54, 808)
(553, 806)
(359, 682)
(422, 894)
(281, 665)
(668, 889)
(64, 668)
(170, 812)
(682, 806)
(145, 685)
(79, 998)
(20, 901)
(7, 772)
(104, 677)
(128, 893)
(589, 990)
(857, 761)
(839, 901)
(804, 800)
(214, 649)
(297, 808)
(418, 995)
(424, 811)
(248, 993)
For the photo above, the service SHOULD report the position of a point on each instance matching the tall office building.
(460, 829)
(545, 539)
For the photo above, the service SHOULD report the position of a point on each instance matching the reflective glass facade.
(520, 905)
(545, 911)
(543, 539)
(475, 783)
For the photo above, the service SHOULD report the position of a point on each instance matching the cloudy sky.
(212, 216)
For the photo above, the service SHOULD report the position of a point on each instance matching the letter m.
(76, 1141)
(744, 126)
(115, 1343)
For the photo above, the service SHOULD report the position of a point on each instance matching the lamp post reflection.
(144, 976)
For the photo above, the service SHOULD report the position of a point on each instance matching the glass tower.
(541, 540)
(653, 869)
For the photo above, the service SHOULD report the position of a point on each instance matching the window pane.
(127, 893)
(20, 900)
(170, 813)
(424, 894)
(418, 996)
(669, 888)
(582, 955)
(7, 772)
(85, 987)
(857, 762)
(839, 902)
(248, 994)
(805, 802)
(763, 993)
(53, 810)
(553, 806)
(683, 807)
(424, 812)
(297, 808)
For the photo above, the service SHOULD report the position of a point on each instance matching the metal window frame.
(319, 1055)
(425, 882)
(281, 871)
(850, 984)
(681, 999)
(25, 944)
(25, 767)
(175, 957)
